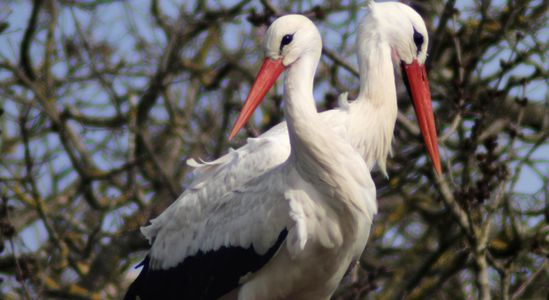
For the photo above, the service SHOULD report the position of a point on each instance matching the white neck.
(301, 113)
(317, 153)
(377, 80)
(312, 143)
(298, 87)
(375, 111)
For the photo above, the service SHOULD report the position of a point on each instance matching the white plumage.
(321, 193)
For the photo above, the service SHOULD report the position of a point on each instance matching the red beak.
(269, 72)
(418, 87)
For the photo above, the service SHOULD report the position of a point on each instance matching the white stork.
(212, 238)
(288, 234)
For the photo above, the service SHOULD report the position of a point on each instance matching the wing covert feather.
(251, 215)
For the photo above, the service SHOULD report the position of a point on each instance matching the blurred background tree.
(103, 101)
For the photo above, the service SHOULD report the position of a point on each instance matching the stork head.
(287, 39)
(403, 29)
(291, 36)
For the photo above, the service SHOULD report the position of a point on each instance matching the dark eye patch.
(286, 40)
(418, 40)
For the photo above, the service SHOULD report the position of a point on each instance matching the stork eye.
(418, 39)
(286, 40)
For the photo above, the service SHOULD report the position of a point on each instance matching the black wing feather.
(204, 276)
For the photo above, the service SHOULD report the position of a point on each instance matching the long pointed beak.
(269, 72)
(418, 87)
